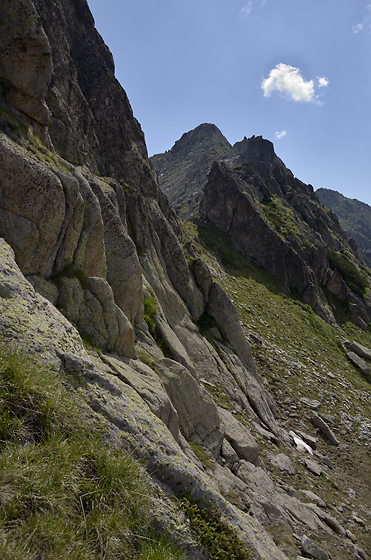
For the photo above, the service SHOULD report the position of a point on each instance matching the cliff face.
(91, 251)
(276, 221)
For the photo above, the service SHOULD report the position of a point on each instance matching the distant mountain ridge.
(354, 217)
(270, 216)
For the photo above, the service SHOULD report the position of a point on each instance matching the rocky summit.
(228, 356)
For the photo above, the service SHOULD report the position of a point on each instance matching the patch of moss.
(9, 120)
(281, 217)
(202, 455)
(43, 154)
(150, 310)
(147, 359)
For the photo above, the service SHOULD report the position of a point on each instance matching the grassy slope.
(299, 355)
(63, 492)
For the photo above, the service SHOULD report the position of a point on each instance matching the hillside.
(162, 396)
(354, 217)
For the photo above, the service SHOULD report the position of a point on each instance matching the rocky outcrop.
(274, 220)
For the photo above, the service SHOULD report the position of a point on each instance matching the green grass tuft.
(63, 492)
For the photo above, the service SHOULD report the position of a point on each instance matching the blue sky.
(294, 71)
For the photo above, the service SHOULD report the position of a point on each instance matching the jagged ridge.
(277, 221)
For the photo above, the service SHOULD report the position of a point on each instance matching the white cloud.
(251, 5)
(288, 81)
(358, 28)
(279, 135)
(366, 23)
(323, 82)
(245, 10)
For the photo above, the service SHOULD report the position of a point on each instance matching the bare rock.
(146, 382)
(29, 70)
(225, 314)
(283, 462)
(329, 520)
(239, 436)
(325, 429)
(228, 453)
(313, 467)
(314, 498)
(314, 551)
(257, 480)
(360, 363)
(360, 350)
(310, 440)
(32, 208)
(198, 415)
(91, 307)
(203, 277)
(27, 319)
(300, 444)
(313, 404)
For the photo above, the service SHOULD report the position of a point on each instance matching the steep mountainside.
(99, 282)
(184, 169)
(354, 217)
(276, 221)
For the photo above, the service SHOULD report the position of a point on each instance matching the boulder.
(313, 467)
(238, 436)
(324, 429)
(314, 551)
(360, 350)
(360, 364)
(314, 498)
(283, 462)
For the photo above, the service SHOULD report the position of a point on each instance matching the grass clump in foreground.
(64, 493)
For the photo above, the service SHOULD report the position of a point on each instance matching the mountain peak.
(206, 133)
(183, 170)
(255, 149)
